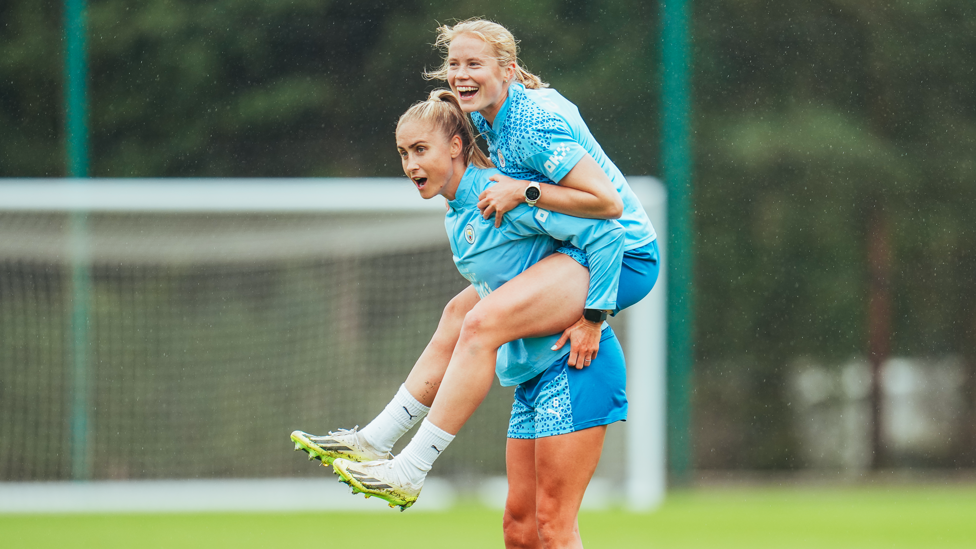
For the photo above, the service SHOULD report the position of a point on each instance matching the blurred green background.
(834, 173)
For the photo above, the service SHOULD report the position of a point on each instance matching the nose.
(462, 73)
(409, 163)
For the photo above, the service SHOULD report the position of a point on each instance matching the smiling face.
(430, 159)
(475, 76)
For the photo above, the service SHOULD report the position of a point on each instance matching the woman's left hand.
(584, 338)
(501, 197)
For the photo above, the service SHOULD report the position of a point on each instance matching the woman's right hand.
(584, 338)
(503, 196)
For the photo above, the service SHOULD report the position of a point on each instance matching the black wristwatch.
(532, 193)
(595, 315)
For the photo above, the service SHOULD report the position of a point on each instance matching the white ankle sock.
(418, 457)
(399, 416)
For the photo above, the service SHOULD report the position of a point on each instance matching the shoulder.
(535, 119)
(479, 178)
(534, 106)
(549, 100)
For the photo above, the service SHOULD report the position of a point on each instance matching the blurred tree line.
(835, 145)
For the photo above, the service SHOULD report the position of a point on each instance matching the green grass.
(861, 518)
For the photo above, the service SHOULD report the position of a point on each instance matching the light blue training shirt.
(489, 257)
(539, 135)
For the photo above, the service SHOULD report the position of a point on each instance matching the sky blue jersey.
(489, 257)
(539, 135)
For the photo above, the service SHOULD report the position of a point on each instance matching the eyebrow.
(414, 144)
(479, 57)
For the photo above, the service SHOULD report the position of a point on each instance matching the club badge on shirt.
(469, 233)
(501, 159)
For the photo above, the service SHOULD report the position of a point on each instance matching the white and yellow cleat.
(377, 478)
(344, 443)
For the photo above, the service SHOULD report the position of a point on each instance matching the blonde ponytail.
(443, 112)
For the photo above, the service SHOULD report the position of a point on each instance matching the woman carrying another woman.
(533, 133)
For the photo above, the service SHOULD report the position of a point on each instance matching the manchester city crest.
(501, 159)
(469, 233)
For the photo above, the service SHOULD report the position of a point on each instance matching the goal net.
(182, 329)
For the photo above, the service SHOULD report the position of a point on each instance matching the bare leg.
(564, 466)
(520, 527)
(412, 401)
(547, 478)
(543, 300)
(426, 375)
(540, 301)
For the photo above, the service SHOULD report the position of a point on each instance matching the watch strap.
(595, 315)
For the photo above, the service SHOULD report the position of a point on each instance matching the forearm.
(602, 201)
(585, 191)
(603, 242)
(574, 202)
(604, 255)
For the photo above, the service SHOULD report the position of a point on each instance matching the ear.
(456, 146)
(510, 72)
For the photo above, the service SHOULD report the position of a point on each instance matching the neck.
(450, 190)
(492, 111)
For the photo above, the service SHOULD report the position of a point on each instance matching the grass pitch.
(799, 518)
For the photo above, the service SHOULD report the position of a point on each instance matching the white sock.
(418, 457)
(399, 416)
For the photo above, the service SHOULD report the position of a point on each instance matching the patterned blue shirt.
(489, 257)
(538, 135)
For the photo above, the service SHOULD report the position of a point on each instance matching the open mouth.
(467, 92)
(420, 182)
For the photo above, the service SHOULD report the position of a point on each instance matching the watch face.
(532, 193)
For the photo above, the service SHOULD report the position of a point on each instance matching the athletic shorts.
(638, 272)
(563, 399)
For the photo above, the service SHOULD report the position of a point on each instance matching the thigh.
(564, 465)
(545, 299)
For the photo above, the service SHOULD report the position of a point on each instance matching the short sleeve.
(556, 162)
(544, 141)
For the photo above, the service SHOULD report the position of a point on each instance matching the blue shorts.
(563, 399)
(638, 272)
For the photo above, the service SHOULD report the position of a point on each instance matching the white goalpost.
(159, 340)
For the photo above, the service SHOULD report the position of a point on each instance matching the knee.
(477, 328)
(483, 330)
(553, 529)
(520, 530)
(449, 326)
(455, 309)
